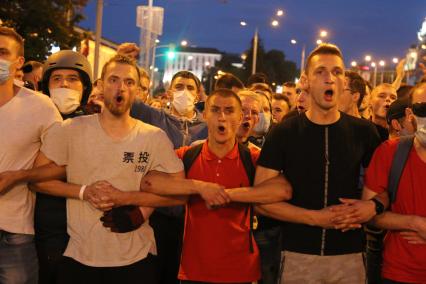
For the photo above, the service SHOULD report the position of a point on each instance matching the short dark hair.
(224, 93)
(289, 85)
(404, 91)
(29, 66)
(324, 48)
(417, 86)
(9, 32)
(281, 97)
(121, 60)
(187, 75)
(257, 78)
(228, 81)
(357, 85)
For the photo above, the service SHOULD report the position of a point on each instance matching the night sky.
(382, 28)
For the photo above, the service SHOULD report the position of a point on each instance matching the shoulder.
(150, 131)
(182, 150)
(35, 98)
(255, 153)
(358, 122)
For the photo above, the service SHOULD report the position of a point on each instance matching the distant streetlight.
(395, 60)
(207, 63)
(275, 23)
(354, 64)
(190, 57)
(373, 64)
(323, 33)
(382, 63)
(157, 40)
(413, 54)
(293, 41)
(319, 41)
(242, 23)
(368, 58)
(280, 13)
(423, 46)
(184, 43)
(243, 56)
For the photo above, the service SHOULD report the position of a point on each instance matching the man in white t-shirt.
(25, 117)
(114, 147)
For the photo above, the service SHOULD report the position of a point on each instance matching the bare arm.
(42, 171)
(175, 184)
(399, 74)
(269, 191)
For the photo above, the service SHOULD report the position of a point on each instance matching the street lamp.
(382, 64)
(354, 63)
(275, 23)
(323, 33)
(368, 58)
(184, 43)
(242, 23)
(395, 60)
(319, 41)
(280, 13)
(293, 41)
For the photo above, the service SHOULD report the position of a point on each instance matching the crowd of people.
(102, 183)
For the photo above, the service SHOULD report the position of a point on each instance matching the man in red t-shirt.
(217, 240)
(404, 255)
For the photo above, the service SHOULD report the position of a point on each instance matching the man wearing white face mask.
(265, 118)
(67, 77)
(67, 80)
(404, 253)
(25, 117)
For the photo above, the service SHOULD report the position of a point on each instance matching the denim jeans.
(18, 259)
(269, 243)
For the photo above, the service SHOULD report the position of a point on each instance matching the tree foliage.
(43, 23)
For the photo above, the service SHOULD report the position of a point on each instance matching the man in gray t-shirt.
(116, 148)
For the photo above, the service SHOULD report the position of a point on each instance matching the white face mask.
(263, 124)
(67, 100)
(183, 101)
(421, 130)
(4, 70)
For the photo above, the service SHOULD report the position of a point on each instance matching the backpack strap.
(245, 156)
(398, 164)
(190, 155)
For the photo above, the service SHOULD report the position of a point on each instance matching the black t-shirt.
(319, 161)
(383, 132)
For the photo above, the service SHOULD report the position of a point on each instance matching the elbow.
(286, 192)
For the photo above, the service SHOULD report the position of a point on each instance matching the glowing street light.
(293, 41)
(323, 33)
(395, 60)
(280, 13)
(319, 41)
(382, 63)
(368, 58)
(354, 64)
(157, 40)
(275, 23)
(243, 56)
(184, 43)
(373, 64)
(190, 57)
(242, 23)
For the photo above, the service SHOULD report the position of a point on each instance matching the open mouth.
(328, 95)
(300, 108)
(119, 99)
(221, 129)
(246, 125)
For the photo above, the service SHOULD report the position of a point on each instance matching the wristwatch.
(380, 208)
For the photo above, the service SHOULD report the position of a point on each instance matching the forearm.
(146, 199)
(287, 212)
(271, 191)
(164, 184)
(57, 188)
(394, 221)
(46, 172)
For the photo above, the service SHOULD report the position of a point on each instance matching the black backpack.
(398, 164)
(192, 153)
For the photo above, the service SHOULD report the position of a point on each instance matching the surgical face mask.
(263, 124)
(67, 100)
(421, 130)
(183, 102)
(4, 70)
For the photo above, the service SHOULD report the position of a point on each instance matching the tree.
(273, 63)
(44, 23)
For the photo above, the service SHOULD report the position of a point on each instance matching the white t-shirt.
(91, 155)
(24, 121)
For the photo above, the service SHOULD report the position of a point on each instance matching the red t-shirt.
(402, 261)
(216, 244)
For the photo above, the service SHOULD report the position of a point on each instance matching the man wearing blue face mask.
(25, 117)
(265, 118)
(404, 253)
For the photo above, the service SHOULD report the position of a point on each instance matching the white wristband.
(81, 194)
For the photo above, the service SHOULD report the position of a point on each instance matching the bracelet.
(81, 193)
